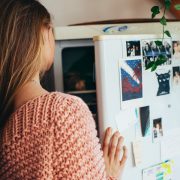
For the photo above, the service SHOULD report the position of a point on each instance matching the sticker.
(111, 29)
(163, 83)
(163, 171)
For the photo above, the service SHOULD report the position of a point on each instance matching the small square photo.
(176, 49)
(176, 76)
(133, 48)
(157, 129)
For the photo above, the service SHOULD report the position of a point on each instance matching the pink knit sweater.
(51, 137)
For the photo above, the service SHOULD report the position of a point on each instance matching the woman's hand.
(112, 148)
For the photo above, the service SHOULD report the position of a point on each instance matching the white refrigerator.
(142, 105)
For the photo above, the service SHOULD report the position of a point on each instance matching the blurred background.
(66, 12)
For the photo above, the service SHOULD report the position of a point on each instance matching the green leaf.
(168, 4)
(149, 65)
(155, 10)
(161, 60)
(161, 56)
(177, 7)
(163, 21)
(158, 43)
(167, 33)
(154, 67)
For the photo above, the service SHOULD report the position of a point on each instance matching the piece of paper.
(170, 145)
(125, 119)
(161, 171)
(137, 152)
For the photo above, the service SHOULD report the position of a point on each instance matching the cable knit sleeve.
(76, 153)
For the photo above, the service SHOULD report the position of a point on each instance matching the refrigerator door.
(123, 86)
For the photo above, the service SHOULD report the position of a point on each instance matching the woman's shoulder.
(42, 111)
(48, 105)
(68, 107)
(47, 102)
(61, 104)
(69, 103)
(60, 99)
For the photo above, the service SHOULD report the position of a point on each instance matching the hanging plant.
(155, 10)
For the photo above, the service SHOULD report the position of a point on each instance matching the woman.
(44, 135)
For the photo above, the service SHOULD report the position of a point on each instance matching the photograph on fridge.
(157, 129)
(131, 81)
(176, 76)
(151, 51)
(144, 113)
(176, 49)
(133, 48)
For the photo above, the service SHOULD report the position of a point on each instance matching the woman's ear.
(48, 37)
(45, 35)
(48, 47)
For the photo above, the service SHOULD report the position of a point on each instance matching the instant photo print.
(145, 120)
(133, 48)
(157, 129)
(176, 76)
(176, 50)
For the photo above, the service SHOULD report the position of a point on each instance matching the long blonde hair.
(21, 23)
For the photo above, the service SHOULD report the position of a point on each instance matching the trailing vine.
(155, 10)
